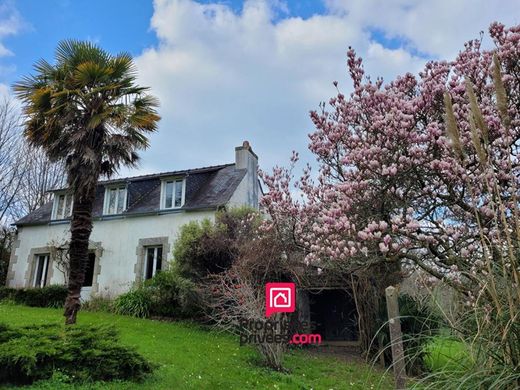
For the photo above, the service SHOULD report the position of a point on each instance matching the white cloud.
(10, 24)
(224, 76)
(438, 28)
(4, 91)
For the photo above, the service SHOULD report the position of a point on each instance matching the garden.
(416, 189)
(187, 356)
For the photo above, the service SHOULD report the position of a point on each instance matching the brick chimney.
(245, 158)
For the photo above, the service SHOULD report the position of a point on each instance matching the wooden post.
(396, 337)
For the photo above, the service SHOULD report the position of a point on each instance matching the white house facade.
(135, 224)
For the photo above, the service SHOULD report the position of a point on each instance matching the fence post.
(396, 337)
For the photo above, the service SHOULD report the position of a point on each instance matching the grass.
(191, 357)
(443, 353)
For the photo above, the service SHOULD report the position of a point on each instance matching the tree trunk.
(80, 229)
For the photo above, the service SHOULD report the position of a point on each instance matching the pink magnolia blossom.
(389, 185)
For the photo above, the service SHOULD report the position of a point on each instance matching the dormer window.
(173, 192)
(115, 200)
(62, 207)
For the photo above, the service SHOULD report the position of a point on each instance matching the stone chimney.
(245, 158)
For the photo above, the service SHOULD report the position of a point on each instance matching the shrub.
(167, 294)
(237, 295)
(443, 353)
(418, 324)
(98, 303)
(172, 295)
(7, 236)
(7, 293)
(205, 248)
(78, 352)
(49, 296)
(137, 303)
(193, 260)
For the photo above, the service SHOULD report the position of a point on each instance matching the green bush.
(49, 296)
(418, 324)
(204, 248)
(80, 353)
(444, 353)
(98, 303)
(137, 303)
(172, 295)
(165, 295)
(190, 251)
(7, 293)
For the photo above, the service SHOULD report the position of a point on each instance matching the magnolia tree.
(395, 186)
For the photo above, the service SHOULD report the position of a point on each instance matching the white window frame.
(106, 200)
(154, 264)
(45, 269)
(57, 196)
(163, 192)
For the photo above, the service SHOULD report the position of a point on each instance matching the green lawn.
(190, 357)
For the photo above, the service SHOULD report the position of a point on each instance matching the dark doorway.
(333, 315)
(89, 272)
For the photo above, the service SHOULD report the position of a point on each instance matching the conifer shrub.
(81, 353)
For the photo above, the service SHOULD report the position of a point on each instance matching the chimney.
(245, 158)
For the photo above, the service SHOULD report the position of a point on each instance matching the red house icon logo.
(279, 298)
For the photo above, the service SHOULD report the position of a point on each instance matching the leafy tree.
(87, 111)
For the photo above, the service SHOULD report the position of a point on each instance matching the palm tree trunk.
(80, 229)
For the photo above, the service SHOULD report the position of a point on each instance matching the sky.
(229, 71)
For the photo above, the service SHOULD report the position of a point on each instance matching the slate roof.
(206, 188)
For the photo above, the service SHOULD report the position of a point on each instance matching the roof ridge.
(159, 174)
(190, 170)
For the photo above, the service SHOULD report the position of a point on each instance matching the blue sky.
(226, 71)
(117, 26)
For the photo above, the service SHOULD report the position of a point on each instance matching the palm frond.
(87, 110)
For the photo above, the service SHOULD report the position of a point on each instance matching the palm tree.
(87, 111)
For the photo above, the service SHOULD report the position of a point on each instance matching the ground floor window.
(89, 271)
(42, 268)
(153, 261)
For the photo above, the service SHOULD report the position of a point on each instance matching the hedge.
(49, 296)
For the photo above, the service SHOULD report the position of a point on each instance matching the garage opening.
(333, 315)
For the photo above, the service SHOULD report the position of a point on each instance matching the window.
(115, 200)
(62, 206)
(89, 272)
(40, 273)
(173, 193)
(153, 261)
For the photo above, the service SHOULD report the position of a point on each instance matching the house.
(136, 221)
